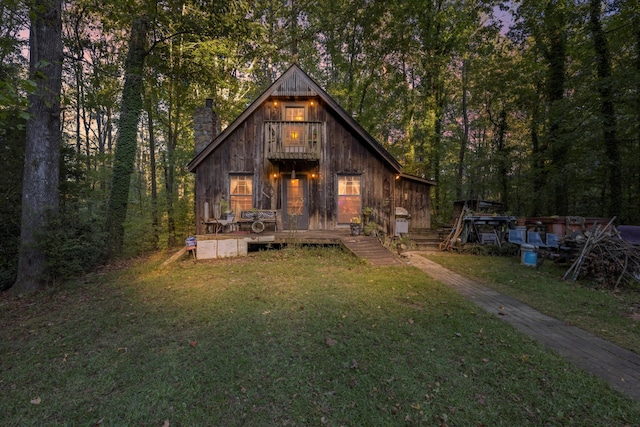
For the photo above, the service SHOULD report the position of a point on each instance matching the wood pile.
(606, 258)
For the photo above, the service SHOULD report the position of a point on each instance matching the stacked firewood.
(606, 258)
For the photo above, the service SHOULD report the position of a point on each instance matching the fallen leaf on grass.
(410, 321)
(193, 343)
(36, 401)
(166, 423)
(330, 342)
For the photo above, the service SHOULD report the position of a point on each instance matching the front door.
(295, 208)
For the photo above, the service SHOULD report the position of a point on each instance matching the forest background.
(533, 103)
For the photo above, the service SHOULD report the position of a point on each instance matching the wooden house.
(296, 152)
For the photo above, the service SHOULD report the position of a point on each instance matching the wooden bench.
(257, 218)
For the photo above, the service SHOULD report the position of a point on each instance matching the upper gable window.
(294, 114)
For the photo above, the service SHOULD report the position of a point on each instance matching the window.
(294, 114)
(349, 198)
(293, 132)
(241, 193)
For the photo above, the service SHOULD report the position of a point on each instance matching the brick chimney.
(206, 126)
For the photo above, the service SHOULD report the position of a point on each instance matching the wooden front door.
(295, 203)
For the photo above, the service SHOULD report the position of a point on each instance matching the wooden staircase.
(427, 239)
(370, 249)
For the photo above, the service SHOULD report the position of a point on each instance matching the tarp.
(630, 233)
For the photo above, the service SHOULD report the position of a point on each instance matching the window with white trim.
(241, 193)
(349, 198)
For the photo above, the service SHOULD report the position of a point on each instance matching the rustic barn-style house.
(296, 152)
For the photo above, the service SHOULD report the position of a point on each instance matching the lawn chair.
(516, 236)
(533, 238)
(553, 241)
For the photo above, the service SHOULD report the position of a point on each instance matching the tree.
(607, 109)
(126, 142)
(42, 153)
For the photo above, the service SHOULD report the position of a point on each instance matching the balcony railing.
(293, 140)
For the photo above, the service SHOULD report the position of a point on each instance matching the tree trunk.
(126, 142)
(607, 111)
(464, 142)
(503, 166)
(153, 178)
(42, 152)
(538, 153)
(555, 86)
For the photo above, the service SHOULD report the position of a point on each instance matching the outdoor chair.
(553, 241)
(533, 238)
(516, 237)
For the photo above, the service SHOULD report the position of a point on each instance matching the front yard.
(291, 337)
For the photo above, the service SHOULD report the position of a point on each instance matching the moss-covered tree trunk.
(126, 142)
(42, 152)
(607, 110)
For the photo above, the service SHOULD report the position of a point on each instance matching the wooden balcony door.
(295, 203)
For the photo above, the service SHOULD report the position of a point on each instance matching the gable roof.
(294, 78)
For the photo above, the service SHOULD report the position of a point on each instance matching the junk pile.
(606, 258)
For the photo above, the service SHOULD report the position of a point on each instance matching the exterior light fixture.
(293, 174)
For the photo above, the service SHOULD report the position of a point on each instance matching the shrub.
(73, 244)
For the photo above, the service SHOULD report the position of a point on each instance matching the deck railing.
(293, 140)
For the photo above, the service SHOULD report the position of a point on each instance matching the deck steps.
(370, 249)
(426, 239)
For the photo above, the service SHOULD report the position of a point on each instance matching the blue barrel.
(528, 255)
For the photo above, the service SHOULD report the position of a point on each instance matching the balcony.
(293, 140)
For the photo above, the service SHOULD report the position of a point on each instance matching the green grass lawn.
(292, 337)
(614, 316)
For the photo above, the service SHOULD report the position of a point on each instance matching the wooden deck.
(365, 247)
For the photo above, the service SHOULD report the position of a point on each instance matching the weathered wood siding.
(343, 152)
(415, 197)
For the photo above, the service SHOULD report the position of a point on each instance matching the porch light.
(397, 176)
(275, 175)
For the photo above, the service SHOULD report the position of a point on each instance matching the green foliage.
(12, 142)
(73, 243)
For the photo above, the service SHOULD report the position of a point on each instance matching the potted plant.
(355, 226)
(227, 213)
(366, 214)
(255, 214)
(370, 228)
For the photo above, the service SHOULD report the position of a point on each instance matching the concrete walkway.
(620, 367)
